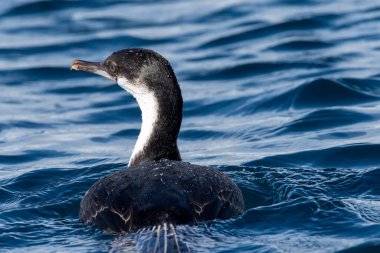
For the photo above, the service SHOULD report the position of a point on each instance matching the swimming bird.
(157, 188)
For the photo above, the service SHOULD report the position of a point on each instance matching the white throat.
(149, 111)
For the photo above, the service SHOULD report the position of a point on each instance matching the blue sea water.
(282, 95)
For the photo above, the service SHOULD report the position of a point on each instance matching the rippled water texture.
(283, 96)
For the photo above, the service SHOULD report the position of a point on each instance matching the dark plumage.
(157, 192)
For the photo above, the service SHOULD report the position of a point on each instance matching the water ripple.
(289, 85)
(323, 93)
(354, 155)
(267, 30)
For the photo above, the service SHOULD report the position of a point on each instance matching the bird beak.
(93, 67)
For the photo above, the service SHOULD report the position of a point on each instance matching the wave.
(96, 41)
(301, 45)
(372, 246)
(270, 29)
(325, 118)
(31, 156)
(249, 69)
(359, 155)
(22, 75)
(321, 93)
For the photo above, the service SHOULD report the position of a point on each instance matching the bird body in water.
(157, 188)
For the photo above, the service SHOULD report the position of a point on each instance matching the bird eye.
(111, 66)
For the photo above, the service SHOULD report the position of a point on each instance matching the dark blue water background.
(283, 96)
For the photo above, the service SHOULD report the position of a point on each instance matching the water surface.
(283, 96)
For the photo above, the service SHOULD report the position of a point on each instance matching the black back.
(160, 192)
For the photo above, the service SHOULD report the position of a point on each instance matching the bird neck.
(161, 122)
